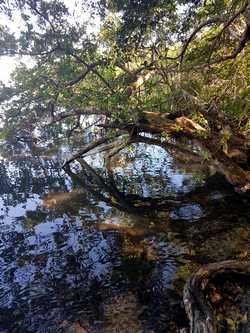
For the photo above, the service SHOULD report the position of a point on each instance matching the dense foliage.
(187, 60)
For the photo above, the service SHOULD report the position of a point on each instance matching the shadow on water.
(110, 250)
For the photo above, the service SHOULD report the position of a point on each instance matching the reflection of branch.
(117, 199)
(112, 190)
(86, 149)
(93, 124)
(82, 181)
(127, 231)
(127, 202)
(105, 189)
(75, 127)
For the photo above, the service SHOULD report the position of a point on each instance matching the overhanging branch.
(78, 112)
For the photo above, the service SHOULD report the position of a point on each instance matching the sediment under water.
(77, 252)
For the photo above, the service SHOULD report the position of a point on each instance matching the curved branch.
(214, 20)
(199, 312)
(84, 74)
(242, 43)
(208, 22)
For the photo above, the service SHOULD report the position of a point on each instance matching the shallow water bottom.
(70, 254)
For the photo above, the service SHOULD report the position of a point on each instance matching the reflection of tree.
(149, 163)
(106, 189)
(68, 270)
(40, 271)
(22, 177)
(52, 254)
(63, 265)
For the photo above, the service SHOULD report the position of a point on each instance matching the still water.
(110, 251)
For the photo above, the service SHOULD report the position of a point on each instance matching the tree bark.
(199, 312)
(224, 159)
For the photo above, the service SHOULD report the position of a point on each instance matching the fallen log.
(198, 309)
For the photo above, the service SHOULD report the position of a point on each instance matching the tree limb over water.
(223, 155)
(155, 67)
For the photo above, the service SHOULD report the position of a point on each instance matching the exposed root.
(199, 312)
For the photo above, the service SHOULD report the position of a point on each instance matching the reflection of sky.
(24, 275)
(97, 259)
(151, 172)
(19, 210)
(48, 228)
(188, 212)
(43, 251)
(147, 170)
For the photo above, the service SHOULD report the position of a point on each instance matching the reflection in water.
(109, 253)
(137, 172)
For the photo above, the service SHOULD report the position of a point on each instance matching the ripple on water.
(189, 212)
(82, 258)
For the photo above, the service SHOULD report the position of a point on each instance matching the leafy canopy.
(158, 56)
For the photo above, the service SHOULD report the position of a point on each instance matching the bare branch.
(208, 22)
(215, 20)
(86, 149)
(92, 69)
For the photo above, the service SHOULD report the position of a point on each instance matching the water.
(109, 251)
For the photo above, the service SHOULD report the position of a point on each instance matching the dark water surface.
(110, 251)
